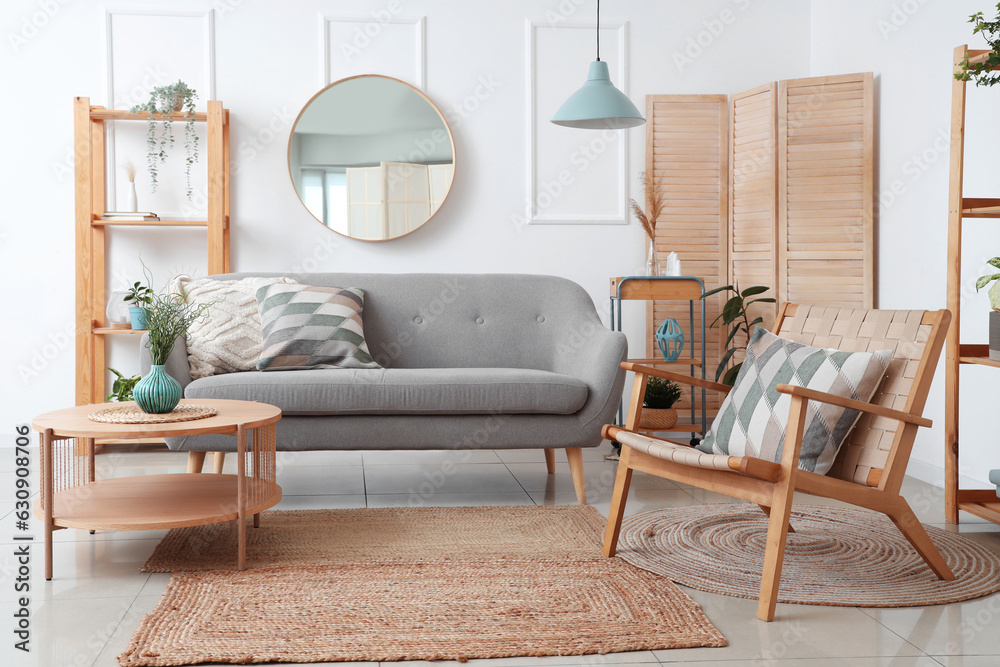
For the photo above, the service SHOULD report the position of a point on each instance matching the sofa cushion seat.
(394, 391)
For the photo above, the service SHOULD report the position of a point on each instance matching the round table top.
(74, 423)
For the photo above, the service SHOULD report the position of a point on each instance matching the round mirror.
(371, 157)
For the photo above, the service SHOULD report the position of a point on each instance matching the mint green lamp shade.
(598, 105)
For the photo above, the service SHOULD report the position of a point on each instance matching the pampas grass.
(654, 200)
(129, 170)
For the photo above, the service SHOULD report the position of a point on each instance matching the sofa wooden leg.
(550, 460)
(196, 461)
(575, 457)
(220, 460)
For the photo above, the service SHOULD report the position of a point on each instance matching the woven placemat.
(133, 414)
(837, 556)
(410, 583)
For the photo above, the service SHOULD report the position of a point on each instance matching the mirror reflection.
(371, 157)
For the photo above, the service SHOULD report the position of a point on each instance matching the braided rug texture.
(408, 584)
(836, 557)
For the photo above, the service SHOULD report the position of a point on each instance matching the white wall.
(268, 61)
(909, 44)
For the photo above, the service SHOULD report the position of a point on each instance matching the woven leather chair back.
(866, 451)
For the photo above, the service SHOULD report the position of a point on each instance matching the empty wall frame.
(772, 186)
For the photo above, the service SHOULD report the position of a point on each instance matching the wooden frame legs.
(550, 460)
(196, 461)
(910, 527)
(575, 457)
(618, 499)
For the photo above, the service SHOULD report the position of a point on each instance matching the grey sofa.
(471, 361)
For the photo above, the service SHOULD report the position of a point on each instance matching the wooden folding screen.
(753, 201)
(687, 153)
(773, 187)
(826, 191)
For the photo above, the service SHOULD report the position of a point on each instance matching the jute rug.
(838, 557)
(408, 584)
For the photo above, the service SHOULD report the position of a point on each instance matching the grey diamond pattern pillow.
(752, 419)
(306, 326)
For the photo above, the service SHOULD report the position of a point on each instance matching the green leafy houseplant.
(139, 295)
(994, 291)
(121, 390)
(164, 101)
(169, 317)
(661, 394)
(982, 73)
(734, 315)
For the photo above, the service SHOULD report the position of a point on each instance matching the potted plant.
(982, 73)
(994, 293)
(658, 413)
(139, 298)
(734, 314)
(169, 316)
(164, 101)
(121, 390)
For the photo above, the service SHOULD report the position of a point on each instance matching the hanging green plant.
(164, 101)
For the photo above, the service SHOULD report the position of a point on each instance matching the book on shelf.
(129, 215)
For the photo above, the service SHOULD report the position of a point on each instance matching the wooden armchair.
(869, 468)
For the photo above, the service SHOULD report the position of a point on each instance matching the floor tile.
(968, 660)
(536, 455)
(888, 661)
(964, 628)
(469, 499)
(424, 481)
(429, 457)
(332, 502)
(798, 631)
(119, 640)
(332, 480)
(97, 569)
(66, 632)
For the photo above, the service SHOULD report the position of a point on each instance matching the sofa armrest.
(177, 363)
(594, 354)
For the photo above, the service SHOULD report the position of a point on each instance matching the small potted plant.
(735, 315)
(169, 316)
(164, 101)
(994, 293)
(139, 298)
(121, 390)
(658, 413)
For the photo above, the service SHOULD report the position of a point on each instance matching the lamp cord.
(598, 30)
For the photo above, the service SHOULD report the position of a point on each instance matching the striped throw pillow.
(752, 419)
(307, 326)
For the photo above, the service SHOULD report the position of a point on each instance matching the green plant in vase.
(994, 294)
(121, 390)
(169, 318)
(735, 315)
(139, 298)
(164, 101)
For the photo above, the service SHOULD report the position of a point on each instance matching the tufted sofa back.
(438, 320)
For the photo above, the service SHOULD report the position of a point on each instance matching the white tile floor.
(86, 615)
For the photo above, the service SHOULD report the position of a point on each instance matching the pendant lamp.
(598, 105)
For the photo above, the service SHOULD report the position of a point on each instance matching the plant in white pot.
(164, 101)
(994, 294)
(658, 413)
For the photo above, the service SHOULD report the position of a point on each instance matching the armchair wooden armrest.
(676, 377)
(880, 410)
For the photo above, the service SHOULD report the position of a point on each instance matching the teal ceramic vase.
(157, 392)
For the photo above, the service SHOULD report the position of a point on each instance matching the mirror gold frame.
(444, 122)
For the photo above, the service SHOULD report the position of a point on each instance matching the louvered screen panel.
(753, 193)
(687, 153)
(825, 190)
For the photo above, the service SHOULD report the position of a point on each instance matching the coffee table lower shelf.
(153, 502)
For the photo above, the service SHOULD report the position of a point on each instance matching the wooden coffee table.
(72, 497)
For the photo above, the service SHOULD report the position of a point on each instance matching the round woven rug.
(837, 557)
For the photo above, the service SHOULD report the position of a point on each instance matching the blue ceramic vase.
(157, 392)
